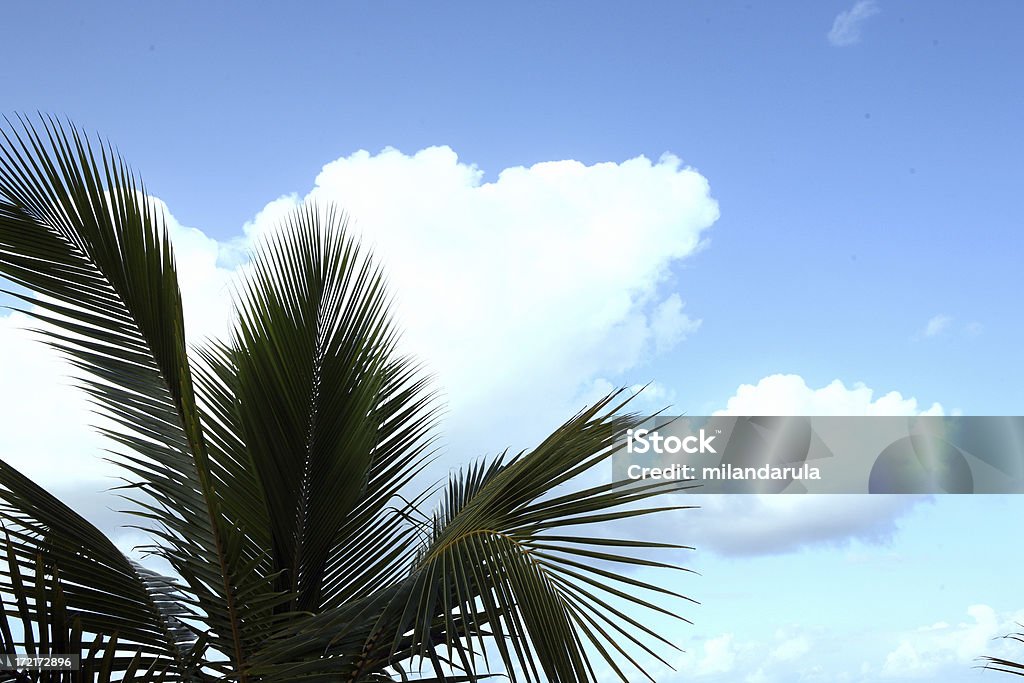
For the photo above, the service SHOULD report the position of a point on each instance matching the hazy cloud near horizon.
(940, 651)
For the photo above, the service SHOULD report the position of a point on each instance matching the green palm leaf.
(79, 231)
(492, 573)
(325, 413)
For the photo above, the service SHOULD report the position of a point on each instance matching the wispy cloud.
(937, 325)
(847, 26)
(973, 329)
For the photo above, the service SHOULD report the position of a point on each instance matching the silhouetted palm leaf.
(1006, 665)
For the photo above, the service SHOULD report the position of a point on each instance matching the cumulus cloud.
(752, 525)
(847, 27)
(789, 395)
(204, 278)
(522, 295)
(769, 525)
(519, 293)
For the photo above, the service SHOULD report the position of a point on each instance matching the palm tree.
(272, 471)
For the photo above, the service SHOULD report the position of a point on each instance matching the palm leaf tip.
(1002, 664)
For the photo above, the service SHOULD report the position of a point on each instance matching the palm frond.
(376, 544)
(333, 426)
(492, 574)
(60, 570)
(546, 594)
(77, 229)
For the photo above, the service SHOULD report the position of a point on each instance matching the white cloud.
(791, 649)
(205, 284)
(789, 395)
(670, 325)
(937, 626)
(714, 657)
(772, 525)
(522, 294)
(44, 425)
(905, 662)
(842, 650)
(765, 524)
(728, 657)
(846, 29)
(937, 325)
(942, 648)
(756, 677)
(719, 656)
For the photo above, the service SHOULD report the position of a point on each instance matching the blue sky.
(879, 171)
(864, 162)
